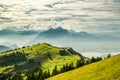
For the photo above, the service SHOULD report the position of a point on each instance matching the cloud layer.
(88, 15)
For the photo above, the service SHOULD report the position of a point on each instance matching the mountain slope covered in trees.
(108, 69)
(44, 56)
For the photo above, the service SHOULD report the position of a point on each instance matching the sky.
(95, 16)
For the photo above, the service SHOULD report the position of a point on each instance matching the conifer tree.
(48, 73)
(54, 72)
(40, 74)
(93, 60)
(109, 55)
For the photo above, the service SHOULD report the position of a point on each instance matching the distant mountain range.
(57, 32)
(60, 32)
(62, 37)
(4, 48)
(7, 46)
(21, 32)
(6, 32)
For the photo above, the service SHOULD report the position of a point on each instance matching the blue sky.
(88, 15)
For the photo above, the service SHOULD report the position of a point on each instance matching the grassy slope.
(108, 69)
(39, 53)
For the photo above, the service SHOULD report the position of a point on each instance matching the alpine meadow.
(59, 39)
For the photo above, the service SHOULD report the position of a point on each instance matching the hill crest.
(42, 55)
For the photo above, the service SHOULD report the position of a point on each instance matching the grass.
(39, 53)
(108, 69)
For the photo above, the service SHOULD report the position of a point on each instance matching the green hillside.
(108, 69)
(37, 56)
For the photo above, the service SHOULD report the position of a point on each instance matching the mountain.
(42, 55)
(93, 42)
(6, 32)
(57, 32)
(108, 69)
(84, 34)
(29, 32)
(4, 48)
(12, 46)
(62, 33)
(18, 32)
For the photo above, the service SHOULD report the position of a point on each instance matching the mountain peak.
(59, 28)
(83, 32)
(45, 44)
(57, 32)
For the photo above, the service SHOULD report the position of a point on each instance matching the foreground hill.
(108, 69)
(42, 55)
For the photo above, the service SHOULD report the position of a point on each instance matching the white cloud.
(75, 14)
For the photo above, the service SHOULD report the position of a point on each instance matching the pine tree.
(17, 77)
(66, 67)
(71, 66)
(28, 77)
(40, 74)
(93, 60)
(109, 55)
(32, 76)
(54, 72)
(48, 73)
(98, 58)
(79, 63)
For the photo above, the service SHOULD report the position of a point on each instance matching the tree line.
(39, 74)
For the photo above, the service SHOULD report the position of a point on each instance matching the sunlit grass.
(39, 54)
(108, 69)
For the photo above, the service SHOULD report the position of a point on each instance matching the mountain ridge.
(61, 32)
(41, 55)
(57, 32)
(4, 48)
